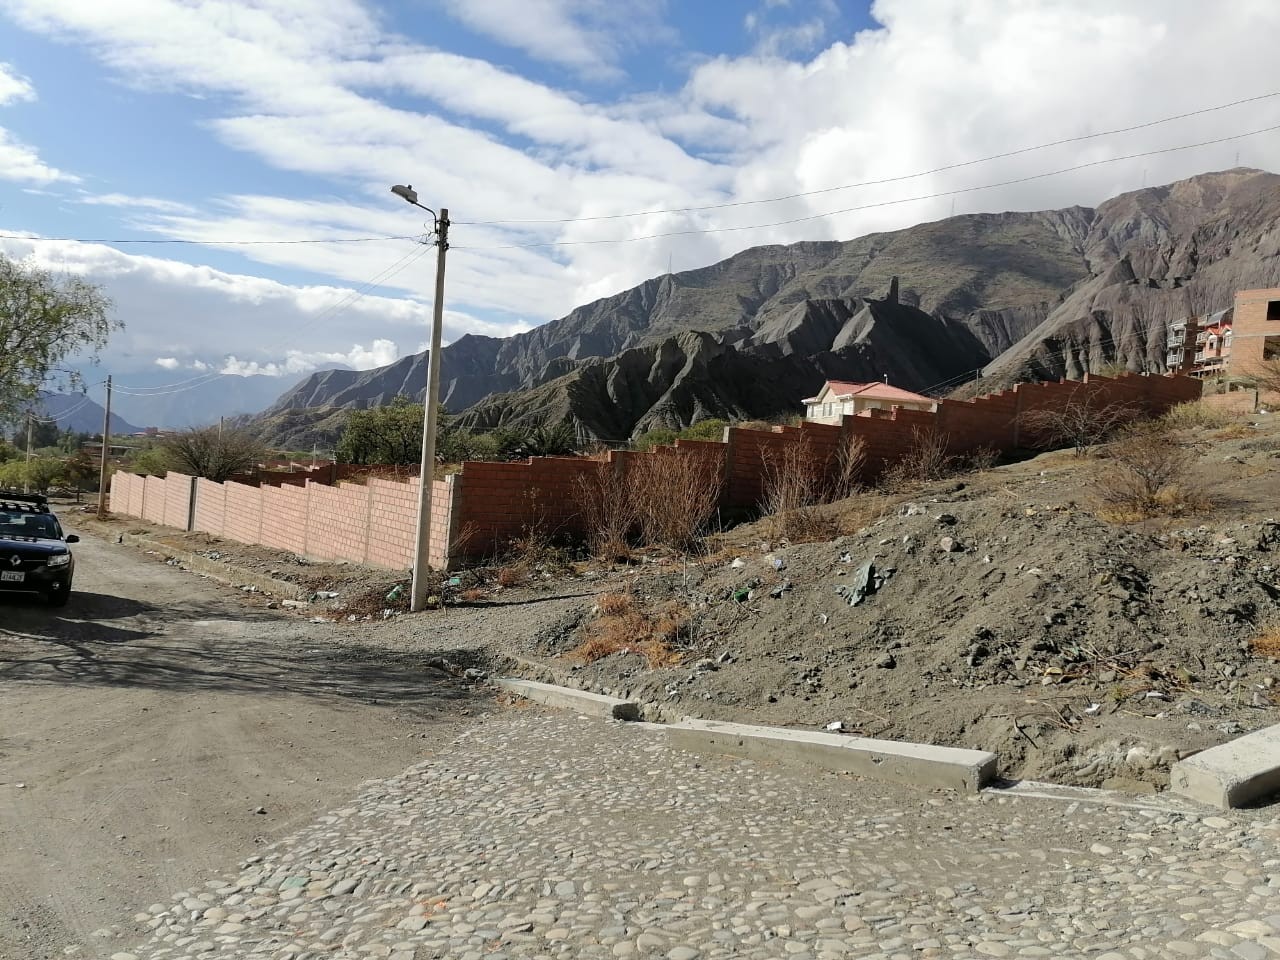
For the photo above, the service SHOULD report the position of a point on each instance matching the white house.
(839, 399)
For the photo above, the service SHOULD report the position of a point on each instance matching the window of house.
(1273, 309)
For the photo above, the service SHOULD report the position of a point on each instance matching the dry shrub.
(675, 495)
(474, 595)
(609, 512)
(794, 486)
(513, 576)
(926, 459)
(851, 460)
(984, 458)
(1147, 474)
(624, 627)
(1185, 416)
(1237, 431)
(1085, 420)
(1267, 643)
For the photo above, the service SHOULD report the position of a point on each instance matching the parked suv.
(33, 549)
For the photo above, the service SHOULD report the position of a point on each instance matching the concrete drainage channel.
(1241, 773)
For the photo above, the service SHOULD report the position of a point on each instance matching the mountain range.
(991, 298)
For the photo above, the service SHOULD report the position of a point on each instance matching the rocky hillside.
(1022, 295)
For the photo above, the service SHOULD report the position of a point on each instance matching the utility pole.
(31, 422)
(426, 473)
(106, 442)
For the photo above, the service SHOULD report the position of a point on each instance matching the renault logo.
(15, 561)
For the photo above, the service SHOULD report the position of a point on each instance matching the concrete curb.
(591, 704)
(225, 573)
(1235, 774)
(914, 764)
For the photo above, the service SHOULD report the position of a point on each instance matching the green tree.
(149, 461)
(44, 319)
(387, 434)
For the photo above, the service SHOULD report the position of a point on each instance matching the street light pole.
(422, 550)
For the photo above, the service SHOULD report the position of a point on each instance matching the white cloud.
(14, 86)
(134, 203)
(18, 161)
(584, 34)
(185, 314)
(379, 353)
(306, 89)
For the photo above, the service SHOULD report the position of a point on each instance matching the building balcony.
(1177, 341)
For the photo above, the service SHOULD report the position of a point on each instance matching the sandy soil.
(159, 728)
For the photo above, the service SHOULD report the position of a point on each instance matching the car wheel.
(59, 598)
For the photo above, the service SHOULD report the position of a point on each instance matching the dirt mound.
(997, 612)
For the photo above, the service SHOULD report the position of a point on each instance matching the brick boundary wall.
(373, 523)
(481, 510)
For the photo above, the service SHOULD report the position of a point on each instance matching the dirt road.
(157, 728)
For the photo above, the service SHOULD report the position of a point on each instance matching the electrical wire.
(192, 383)
(204, 243)
(882, 203)
(897, 179)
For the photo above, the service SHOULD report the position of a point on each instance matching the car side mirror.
(72, 538)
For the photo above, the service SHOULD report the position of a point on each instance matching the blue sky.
(288, 119)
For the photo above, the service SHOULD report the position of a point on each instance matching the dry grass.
(1267, 643)
(675, 496)
(513, 576)
(1148, 474)
(609, 513)
(1198, 414)
(926, 459)
(474, 595)
(624, 627)
(1237, 431)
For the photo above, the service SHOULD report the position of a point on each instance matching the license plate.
(12, 576)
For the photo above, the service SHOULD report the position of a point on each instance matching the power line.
(896, 179)
(203, 243)
(882, 203)
(198, 381)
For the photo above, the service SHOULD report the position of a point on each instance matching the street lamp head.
(407, 192)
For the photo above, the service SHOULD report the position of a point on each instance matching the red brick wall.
(482, 509)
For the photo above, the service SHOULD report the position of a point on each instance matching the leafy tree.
(150, 462)
(44, 319)
(388, 434)
(551, 440)
(38, 475)
(212, 452)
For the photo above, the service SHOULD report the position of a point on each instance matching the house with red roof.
(839, 398)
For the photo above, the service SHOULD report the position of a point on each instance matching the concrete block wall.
(337, 522)
(284, 518)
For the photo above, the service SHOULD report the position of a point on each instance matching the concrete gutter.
(581, 701)
(226, 573)
(1236, 774)
(914, 764)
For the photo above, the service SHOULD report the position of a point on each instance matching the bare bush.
(1082, 422)
(212, 452)
(794, 486)
(1186, 416)
(851, 460)
(675, 495)
(926, 459)
(1148, 474)
(609, 512)
(983, 458)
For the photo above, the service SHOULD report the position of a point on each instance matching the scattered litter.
(455, 581)
(1092, 708)
(742, 595)
(864, 582)
(835, 726)
(778, 562)
(738, 563)
(293, 604)
(396, 593)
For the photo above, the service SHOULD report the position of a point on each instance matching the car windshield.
(17, 523)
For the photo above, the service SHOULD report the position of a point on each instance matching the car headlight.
(59, 559)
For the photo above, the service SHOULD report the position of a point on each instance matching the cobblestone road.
(548, 835)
